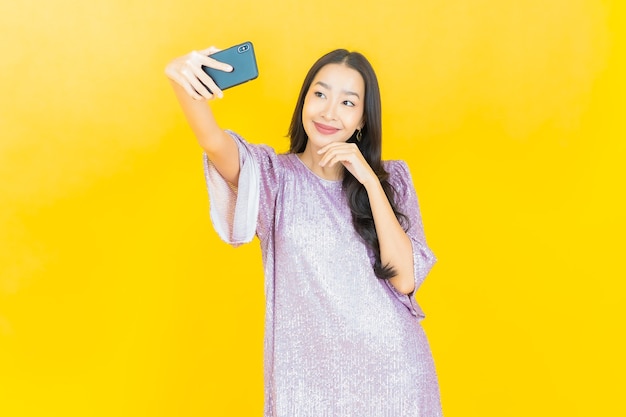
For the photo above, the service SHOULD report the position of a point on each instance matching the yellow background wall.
(116, 296)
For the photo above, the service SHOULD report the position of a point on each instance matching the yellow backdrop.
(116, 296)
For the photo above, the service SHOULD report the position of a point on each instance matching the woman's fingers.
(350, 156)
(199, 90)
(200, 80)
(338, 152)
(182, 73)
(188, 72)
(204, 58)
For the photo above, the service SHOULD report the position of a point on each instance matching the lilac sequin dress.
(339, 342)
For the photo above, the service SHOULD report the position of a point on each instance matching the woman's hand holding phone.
(187, 72)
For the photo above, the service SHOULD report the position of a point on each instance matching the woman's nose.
(328, 112)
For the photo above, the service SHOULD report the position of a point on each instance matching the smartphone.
(241, 58)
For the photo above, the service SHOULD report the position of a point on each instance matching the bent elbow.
(403, 284)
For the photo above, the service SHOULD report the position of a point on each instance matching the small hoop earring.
(359, 135)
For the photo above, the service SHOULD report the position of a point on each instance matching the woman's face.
(333, 106)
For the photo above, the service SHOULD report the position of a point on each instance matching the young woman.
(342, 244)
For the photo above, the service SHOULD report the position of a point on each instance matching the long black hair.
(370, 146)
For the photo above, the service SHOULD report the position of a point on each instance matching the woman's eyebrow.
(346, 92)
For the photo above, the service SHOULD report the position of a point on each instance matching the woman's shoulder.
(397, 168)
(399, 175)
(265, 155)
(243, 141)
(261, 148)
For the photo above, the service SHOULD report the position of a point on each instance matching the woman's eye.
(319, 94)
(348, 103)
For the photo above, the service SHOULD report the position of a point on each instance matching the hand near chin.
(349, 155)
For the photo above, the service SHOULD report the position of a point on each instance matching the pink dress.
(339, 342)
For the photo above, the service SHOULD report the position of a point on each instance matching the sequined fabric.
(339, 342)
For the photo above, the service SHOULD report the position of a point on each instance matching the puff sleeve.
(407, 203)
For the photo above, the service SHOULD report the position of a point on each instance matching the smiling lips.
(324, 129)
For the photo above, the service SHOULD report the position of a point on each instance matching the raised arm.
(187, 77)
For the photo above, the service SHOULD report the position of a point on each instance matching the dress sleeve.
(407, 203)
(239, 212)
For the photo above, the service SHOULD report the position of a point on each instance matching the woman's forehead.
(340, 77)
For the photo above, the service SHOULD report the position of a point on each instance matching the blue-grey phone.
(241, 58)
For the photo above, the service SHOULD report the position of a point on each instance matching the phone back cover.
(241, 57)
